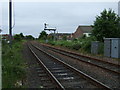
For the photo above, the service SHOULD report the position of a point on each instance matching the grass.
(82, 44)
(13, 71)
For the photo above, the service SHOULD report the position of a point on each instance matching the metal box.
(112, 47)
(115, 48)
(94, 47)
(107, 47)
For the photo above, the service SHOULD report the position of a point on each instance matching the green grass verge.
(13, 65)
(83, 45)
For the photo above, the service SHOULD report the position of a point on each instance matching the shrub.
(76, 46)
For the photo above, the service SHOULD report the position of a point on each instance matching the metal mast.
(50, 29)
(10, 22)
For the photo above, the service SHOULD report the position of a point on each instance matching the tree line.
(20, 36)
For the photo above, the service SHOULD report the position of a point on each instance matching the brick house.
(60, 36)
(82, 30)
(5, 36)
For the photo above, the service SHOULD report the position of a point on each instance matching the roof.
(5, 34)
(85, 29)
(61, 33)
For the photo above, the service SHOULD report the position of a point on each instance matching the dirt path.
(32, 78)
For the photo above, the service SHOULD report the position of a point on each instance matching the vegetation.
(43, 35)
(50, 37)
(13, 71)
(107, 25)
(81, 44)
(64, 38)
(29, 37)
(19, 37)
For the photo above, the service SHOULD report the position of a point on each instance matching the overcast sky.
(65, 16)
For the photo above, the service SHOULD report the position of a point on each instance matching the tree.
(64, 38)
(43, 35)
(50, 37)
(22, 36)
(106, 25)
(29, 37)
(17, 37)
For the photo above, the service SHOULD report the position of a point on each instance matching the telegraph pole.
(10, 22)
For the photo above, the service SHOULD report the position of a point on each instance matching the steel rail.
(82, 55)
(88, 62)
(94, 81)
(47, 70)
(85, 61)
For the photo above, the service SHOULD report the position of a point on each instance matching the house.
(60, 36)
(5, 36)
(82, 30)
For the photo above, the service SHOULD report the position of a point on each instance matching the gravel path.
(32, 78)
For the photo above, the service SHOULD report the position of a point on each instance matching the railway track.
(63, 74)
(48, 81)
(114, 68)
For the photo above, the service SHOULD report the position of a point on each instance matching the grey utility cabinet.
(115, 48)
(107, 47)
(112, 47)
(94, 47)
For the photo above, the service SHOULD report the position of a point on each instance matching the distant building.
(5, 36)
(81, 31)
(60, 36)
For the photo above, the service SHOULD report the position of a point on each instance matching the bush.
(17, 37)
(76, 46)
(86, 46)
(82, 44)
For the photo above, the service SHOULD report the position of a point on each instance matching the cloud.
(30, 17)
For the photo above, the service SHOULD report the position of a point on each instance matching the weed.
(12, 64)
